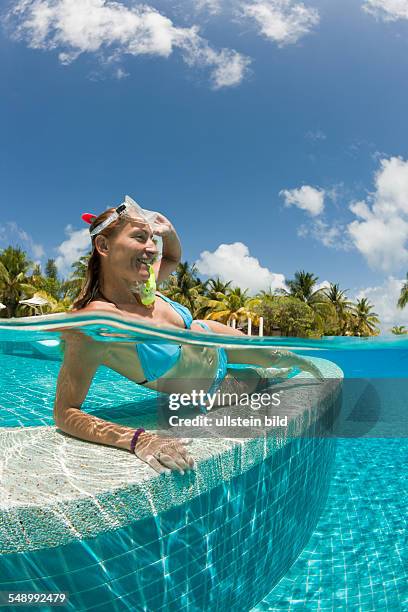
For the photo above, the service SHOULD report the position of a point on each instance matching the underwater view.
(310, 518)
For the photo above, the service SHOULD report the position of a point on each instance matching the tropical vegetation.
(399, 330)
(403, 298)
(304, 308)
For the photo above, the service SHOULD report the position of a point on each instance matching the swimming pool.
(244, 524)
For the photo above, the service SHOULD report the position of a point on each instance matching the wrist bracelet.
(135, 438)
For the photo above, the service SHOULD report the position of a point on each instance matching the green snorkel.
(148, 289)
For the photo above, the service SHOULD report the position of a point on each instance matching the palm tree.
(73, 285)
(36, 270)
(48, 283)
(215, 290)
(12, 288)
(365, 321)
(303, 288)
(215, 286)
(233, 305)
(341, 304)
(51, 270)
(268, 294)
(399, 330)
(403, 298)
(15, 260)
(14, 266)
(185, 287)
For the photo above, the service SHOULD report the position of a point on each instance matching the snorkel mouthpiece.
(148, 290)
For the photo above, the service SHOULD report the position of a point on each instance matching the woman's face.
(128, 253)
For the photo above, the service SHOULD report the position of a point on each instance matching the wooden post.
(249, 326)
(261, 326)
(234, 323)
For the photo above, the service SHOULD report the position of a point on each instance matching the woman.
(122, 259)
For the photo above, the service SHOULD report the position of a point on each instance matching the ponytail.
(90, 288)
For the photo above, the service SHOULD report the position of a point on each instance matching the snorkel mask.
(147, 290)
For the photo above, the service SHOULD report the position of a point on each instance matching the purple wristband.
(135, 438)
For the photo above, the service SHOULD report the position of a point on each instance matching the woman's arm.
(220, 328)
(171, 254)
(82, 357)
(263, 356)
(273, 358)
(81, 360)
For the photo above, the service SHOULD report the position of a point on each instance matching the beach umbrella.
(35, 302)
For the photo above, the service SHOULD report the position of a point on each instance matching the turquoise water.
(356, 558)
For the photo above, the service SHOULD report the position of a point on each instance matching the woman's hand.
(162, 226)
(308, 366)
(164, 454)
(284, 358)
(171, 249)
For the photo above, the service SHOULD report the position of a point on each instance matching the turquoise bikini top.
(157, 359)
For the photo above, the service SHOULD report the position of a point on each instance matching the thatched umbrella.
(35, 302)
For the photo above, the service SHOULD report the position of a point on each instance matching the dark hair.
(90, 287)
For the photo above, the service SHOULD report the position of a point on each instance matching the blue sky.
(272, 133)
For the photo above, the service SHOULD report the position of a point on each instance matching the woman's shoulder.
(97, 305)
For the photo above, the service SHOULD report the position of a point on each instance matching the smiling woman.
(135, 242)
(124, 259)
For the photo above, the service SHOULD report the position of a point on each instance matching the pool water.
(357, 557)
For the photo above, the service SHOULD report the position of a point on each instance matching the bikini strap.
(183, 311)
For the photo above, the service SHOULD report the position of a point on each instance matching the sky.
(272, 133)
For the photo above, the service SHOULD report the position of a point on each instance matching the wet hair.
(90, 287)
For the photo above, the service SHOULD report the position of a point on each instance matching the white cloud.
(211, 6)
(387, 10)
(380, 228)
(111, 30)
(232, 262)
(229, 67)
(12, 233)
(315, 135)
(323, 285)
(381, 242)
(121, 74)
(306, 198)
(71, 249)
(330, 235)
(283, 21)
(381, 231)
(384, 298)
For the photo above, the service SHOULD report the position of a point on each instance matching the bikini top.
(157, 359)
